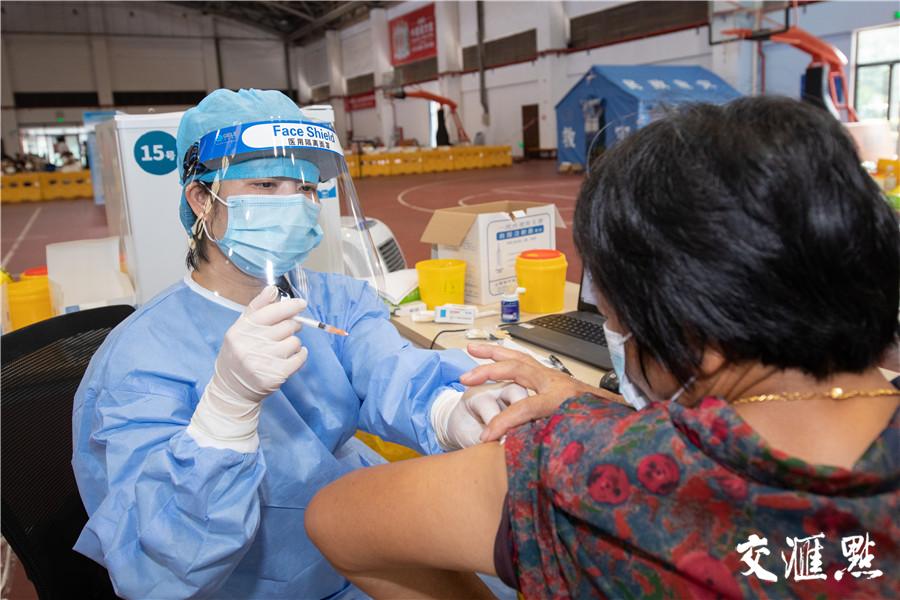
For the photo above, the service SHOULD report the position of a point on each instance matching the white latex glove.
(458, 418)
(259, 352)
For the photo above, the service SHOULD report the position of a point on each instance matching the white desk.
(422, 334)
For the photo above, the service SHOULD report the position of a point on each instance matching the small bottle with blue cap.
(509, 305)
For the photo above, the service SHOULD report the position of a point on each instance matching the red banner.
(360, 101)
(413, 36)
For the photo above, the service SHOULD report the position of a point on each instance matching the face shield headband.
(312, 141)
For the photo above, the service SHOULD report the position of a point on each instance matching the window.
(416, 72)
(504, 51)
(43, 140)
(633, 20)
(360, 85)
(320, 93)
(877, 82)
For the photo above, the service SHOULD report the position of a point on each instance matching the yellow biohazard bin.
(29, 301)
(543, 275)
(442, 281)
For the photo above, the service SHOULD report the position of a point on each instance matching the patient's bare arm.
(417, 528)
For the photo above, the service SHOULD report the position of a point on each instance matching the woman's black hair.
(197, 251)
(749, 227)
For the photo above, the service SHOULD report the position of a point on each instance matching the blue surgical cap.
(225, 108)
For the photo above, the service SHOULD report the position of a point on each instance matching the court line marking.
(500, 191)
(555, 183)
(541, 194)
(21, 237)
(401, 197)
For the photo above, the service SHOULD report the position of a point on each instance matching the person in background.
(60, 147)
(69, 164)
(749, 270)
(208, 419)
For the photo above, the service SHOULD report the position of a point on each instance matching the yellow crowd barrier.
(66, 186)
(56, 185)
(20, 187)
(437, 160)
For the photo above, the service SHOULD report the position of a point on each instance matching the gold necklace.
(836, 393)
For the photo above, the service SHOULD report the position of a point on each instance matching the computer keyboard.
(585, 330)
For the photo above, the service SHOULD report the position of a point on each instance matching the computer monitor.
(587, 300)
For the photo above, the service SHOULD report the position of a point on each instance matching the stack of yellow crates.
(55, 185)
(21, 187)
(439, 160)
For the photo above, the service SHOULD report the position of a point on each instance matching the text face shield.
(287, 191)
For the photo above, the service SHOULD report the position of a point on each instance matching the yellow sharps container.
(543, 275)
(442, 281)
(29, 301)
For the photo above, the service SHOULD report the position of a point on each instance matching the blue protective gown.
(171, 519)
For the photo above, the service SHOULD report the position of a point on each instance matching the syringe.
(320, 325)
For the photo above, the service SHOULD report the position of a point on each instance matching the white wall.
(401, 8)
(118, 46)
(356, 50)
(580, 7)
(501, 19)
(511, 87)
(126, 47)
(145, 64)
(314, 62)
(46, 63)
(414, 116)
(689, 47)
(365, 123)
(253, 63)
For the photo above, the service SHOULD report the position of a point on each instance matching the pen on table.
(559, 364)
(320, 325)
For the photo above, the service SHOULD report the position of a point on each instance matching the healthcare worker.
(208, 419)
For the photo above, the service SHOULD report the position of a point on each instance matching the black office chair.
(42, 514)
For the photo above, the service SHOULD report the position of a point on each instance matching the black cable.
(440, 333)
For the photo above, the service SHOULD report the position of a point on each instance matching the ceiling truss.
(295, 22)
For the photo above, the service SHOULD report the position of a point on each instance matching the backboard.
(732, 21)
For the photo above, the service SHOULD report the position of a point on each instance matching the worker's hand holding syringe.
(259, 352)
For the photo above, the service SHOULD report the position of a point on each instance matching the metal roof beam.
(324, 20)
(243, 19)
(288, 8)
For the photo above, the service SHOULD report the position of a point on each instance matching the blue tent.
(613, 101)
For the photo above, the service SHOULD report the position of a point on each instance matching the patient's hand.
(551, 387)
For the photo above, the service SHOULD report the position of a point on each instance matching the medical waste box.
(488, 237)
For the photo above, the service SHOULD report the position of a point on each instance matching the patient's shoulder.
(594, 421)
(581, 430)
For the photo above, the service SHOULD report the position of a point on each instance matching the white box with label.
(489, 237)
(140, 166)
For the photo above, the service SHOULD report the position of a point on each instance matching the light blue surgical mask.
(267, 236)
(615, 342)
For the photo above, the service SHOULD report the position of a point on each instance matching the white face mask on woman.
(615, 342)
(633, 395)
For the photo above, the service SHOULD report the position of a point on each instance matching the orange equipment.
(825, 58)
(401, 94)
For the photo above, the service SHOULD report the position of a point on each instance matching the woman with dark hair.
(749, 270)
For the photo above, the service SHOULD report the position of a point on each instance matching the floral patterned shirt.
(608, 502)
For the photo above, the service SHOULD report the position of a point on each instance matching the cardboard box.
(489, 237)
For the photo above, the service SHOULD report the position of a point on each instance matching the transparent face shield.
(281, 201)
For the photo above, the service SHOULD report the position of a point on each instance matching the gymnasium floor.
(405, 203)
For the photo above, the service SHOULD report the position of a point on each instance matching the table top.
(422, 335)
